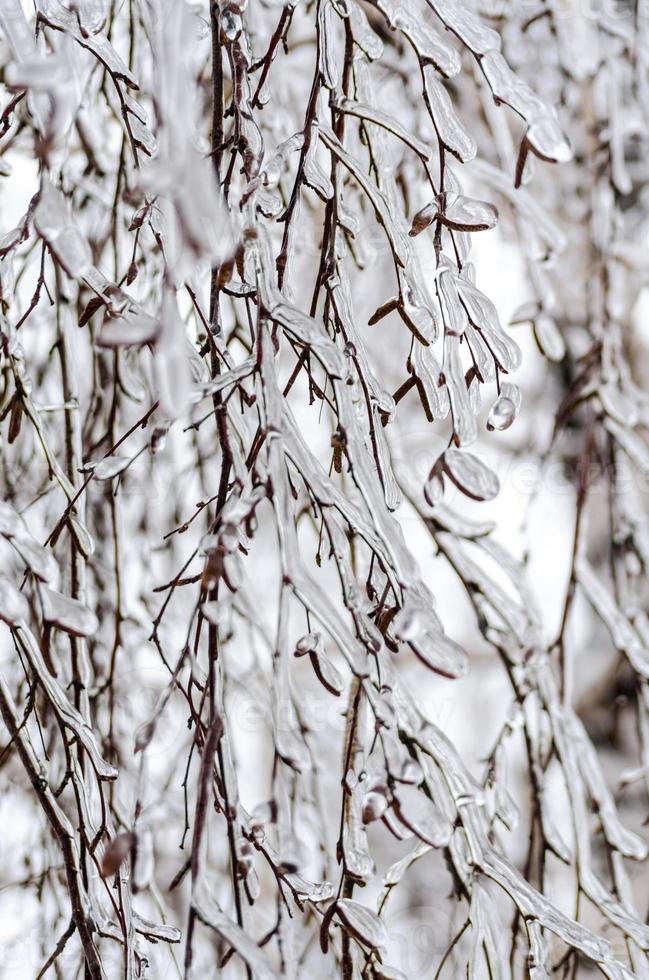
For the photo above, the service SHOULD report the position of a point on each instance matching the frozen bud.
(116, 853)
(264, 813)
(159, 438)
(375, 804)
(423, 219)
(293, 857)
(245, 857)
(309, 643)
(325, 671)
(144, 736)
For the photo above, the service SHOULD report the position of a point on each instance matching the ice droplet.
(502, 414)
(505, 408)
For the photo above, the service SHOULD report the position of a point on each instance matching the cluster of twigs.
(198, 529)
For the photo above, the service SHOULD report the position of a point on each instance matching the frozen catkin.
(246, 256)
